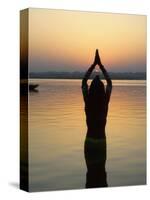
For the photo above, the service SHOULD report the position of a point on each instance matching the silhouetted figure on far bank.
(96, 99)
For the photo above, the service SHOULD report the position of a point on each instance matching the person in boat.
(96, 99)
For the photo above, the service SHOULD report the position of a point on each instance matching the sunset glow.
(66, 40)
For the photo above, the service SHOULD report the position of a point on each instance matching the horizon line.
(85, 71)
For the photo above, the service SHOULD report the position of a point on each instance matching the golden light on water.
(57, 131)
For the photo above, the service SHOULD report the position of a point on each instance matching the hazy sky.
(66, 40)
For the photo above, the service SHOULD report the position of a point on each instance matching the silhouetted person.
(96, 100)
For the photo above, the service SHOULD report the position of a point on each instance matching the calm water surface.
(57, 132)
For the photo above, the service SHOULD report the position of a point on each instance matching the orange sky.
(66, 40)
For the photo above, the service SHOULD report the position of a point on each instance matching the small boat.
(33, 87)
(25, 87)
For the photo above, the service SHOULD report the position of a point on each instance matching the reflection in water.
(34, 91)
(57, 132)
(95, 157)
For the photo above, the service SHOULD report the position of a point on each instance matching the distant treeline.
(79, 75)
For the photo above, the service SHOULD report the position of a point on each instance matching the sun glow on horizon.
(66, 40)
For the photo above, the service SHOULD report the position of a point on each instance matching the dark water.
(57, 131)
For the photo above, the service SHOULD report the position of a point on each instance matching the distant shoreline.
(89, 78)
(80, 75)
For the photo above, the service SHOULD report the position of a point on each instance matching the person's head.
(96, 88)
(96, 95)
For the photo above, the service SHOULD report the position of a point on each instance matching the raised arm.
(86, 77)
(109, 83)
(106, 76)
(87, 74)
(84, 82)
